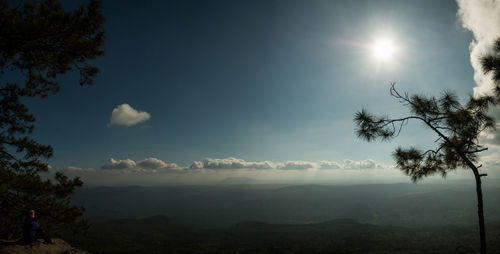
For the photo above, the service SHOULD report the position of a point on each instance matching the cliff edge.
(59, 247)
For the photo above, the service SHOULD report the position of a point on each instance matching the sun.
(383, 49)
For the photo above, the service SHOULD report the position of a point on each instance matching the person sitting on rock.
(32, 230)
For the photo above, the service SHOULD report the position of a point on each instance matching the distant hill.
(160, 234)
(237, 181)
(411, 205)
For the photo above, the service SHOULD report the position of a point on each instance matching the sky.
(194, 91)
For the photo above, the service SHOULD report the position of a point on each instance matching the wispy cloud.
(491, 138)
(71, 169)
(125, 115)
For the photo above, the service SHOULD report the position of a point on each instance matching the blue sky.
(255, 80)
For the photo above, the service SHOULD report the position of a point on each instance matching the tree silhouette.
(456, 125)
(38, 43)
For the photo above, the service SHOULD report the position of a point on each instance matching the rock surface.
(59, 247)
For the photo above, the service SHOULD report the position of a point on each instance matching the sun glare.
(383, 49)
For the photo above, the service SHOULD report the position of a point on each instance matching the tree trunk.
(482, 233)
(479, 192)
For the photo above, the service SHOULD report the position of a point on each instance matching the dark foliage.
(39, 41)
(457, 127)
(491, 62)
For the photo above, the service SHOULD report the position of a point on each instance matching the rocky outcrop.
(58, 247)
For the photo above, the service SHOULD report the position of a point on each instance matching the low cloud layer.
(231, 163)
(125, 115)
(234, 163)
(297, 165)
(482, 18)
(149, 165)
(365, 164)
(71, 169)
(329, 165)
(152, 170)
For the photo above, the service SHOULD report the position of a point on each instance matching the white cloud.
(119, 164)
(298, 165)
(148, 165)
(78, 169)
(125, 115)
(261, 165)
(153, 163)
(329, 165)
(482, 17)
(364, 164)
(196, 165)
(227, 163)
(154, 171)
(234, 163)
(157, 164)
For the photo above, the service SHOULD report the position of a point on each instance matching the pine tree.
(39, 42)
(457, 127)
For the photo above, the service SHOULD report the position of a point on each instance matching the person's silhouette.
(32, 230)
